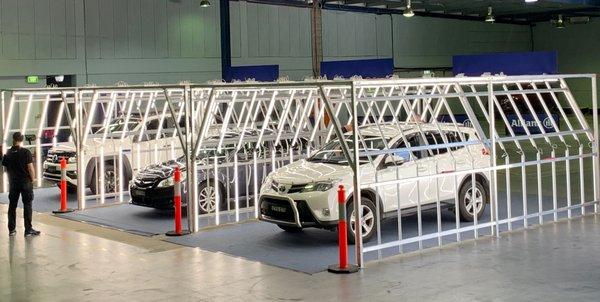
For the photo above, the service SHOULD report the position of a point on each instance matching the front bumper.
(286, 211)
(158, 198)
(52, 173)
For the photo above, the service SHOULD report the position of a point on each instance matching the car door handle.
(422, 169)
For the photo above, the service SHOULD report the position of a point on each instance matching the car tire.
(109, 179)
(205, 190)
(290, 229)
(464, 202)
(369, 224)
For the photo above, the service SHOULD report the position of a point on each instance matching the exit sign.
(32, 79)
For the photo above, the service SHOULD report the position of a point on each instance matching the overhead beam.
(548, 15)
(578, 2)
(388, 11)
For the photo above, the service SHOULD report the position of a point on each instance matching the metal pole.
(5, 125)
(356, 180)
(595, 149)
(79, 147)
(493, 199)
(192, 199)
(352, 161)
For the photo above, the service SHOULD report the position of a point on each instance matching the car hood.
(162, 170)
(63, 148)
(302, 171)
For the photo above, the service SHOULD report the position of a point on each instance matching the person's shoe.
(32, 232)
(12, 233)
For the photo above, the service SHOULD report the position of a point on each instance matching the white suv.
(146, 143)
(304, 193)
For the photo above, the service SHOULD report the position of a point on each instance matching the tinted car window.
(434, 138)
(454, 137)
(413, 141)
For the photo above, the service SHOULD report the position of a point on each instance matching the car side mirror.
(397, 159)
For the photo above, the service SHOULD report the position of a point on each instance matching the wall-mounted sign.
(460, 119)
(33, 79)
(531, 123)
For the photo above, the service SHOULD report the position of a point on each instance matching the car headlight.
(167, 182)
(72, 159)
(319, 186)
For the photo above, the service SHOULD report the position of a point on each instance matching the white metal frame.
(296, 111)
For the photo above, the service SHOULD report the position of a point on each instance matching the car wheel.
(110, 179)
(369, 219)
(290, 229)
(206, 198)
(469, 204)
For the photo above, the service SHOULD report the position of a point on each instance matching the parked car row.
(302, 193)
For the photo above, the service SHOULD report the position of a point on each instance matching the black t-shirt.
(16, 161)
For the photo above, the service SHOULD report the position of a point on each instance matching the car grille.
(296, 188)
(161, 198)
(55, 157)
(304, 212)
(277, 209)
(283, 188)
(145, 182)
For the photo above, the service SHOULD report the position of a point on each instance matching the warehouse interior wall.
(135, 41)
(423, 42)
(38, 38)
(578, 52)
(271, 35)
(351, 36)
(151, 40)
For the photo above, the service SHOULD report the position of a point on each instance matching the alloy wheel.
(109, 181)
(473, 205)
(207, 199)
(367, 223)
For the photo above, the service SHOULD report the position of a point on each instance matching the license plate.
(139, 192)
(278, 209)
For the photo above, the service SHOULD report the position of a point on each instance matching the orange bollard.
(63, 188)
(342, 267)
(177, 204)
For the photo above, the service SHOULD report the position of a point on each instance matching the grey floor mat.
(312, 250)
(140, 220)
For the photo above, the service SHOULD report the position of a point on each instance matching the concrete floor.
(72, 261)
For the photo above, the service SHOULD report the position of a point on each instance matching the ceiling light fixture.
(204, 3)
(490, 17)
(560, 23)
(530, 1)
(408, 12)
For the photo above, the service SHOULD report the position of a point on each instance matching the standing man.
(18, 162)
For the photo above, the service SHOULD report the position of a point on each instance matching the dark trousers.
(25, 190)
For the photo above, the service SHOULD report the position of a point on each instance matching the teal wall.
(431, 42)
(168, 41)
(134, 41)
(578, 47)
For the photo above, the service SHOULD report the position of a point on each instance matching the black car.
(153, 185)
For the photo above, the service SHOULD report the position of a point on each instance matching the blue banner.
(460, 118)
(373, 68)
(531, 124)
(263, 73)
(515, 63)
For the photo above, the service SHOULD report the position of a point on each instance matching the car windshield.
(117, 126)
(210, 152)
(332, 152)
